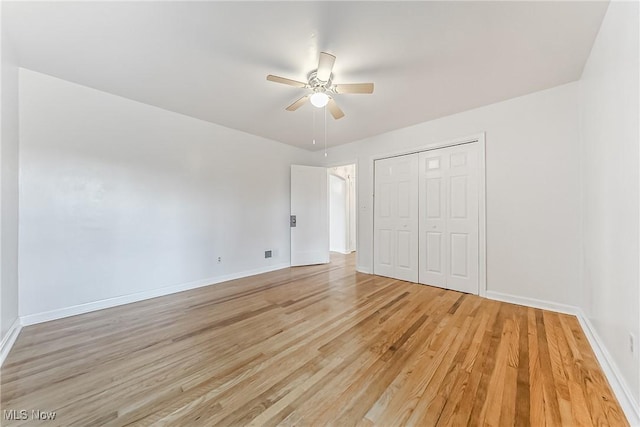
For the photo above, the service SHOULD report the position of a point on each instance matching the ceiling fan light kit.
(319, 99)
(320, 82)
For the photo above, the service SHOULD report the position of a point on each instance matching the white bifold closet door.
(426, 218)
(396, 218)
(448, 206)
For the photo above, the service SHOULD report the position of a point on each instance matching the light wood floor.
(311, 346)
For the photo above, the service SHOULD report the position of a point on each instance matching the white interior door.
(449, 218)
(396, 217)
(309, 216)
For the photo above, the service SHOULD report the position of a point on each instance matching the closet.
(426, 217)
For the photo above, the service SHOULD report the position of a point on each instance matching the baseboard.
(533, 302)
(46, 316)
(9, 339)
(630, 407)
(361, 269)
(614, 377)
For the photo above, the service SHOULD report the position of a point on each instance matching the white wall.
(609, 117)
(118, 197)
(532, 185)
(8, 188)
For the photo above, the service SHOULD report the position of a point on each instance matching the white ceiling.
(209, 60)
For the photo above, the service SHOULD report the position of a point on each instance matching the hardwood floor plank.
(492, 409)
(508, 406)
(552, 412)
(317, 345)
(560, 379)
(576, 394)
(481, 401)
(523, 403)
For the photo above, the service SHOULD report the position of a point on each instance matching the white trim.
(482, 195)
(363, 269)
(434, 146)
(46, 316)
(619, 386)
(332, 164)
(9, 339)
(533, 302)
(482, 218)
(347, 236)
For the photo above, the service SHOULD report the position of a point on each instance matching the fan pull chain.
(314, 127)
(325, 131)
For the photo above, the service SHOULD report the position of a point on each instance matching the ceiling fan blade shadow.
(325, 66)
(354, 88)
(299, 103)
(285, 81)
(335, 111)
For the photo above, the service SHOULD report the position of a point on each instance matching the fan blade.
(354, 88)
(335, 111)
(284, 81)
(297, 104)
(325, 66)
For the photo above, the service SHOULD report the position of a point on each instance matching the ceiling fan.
(320, 82)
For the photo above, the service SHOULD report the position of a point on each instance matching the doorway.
(342, 209)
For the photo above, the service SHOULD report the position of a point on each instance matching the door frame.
(346, 211)
(356, 196)
(482, 197)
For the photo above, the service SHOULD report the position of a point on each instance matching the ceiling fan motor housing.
(318, 85)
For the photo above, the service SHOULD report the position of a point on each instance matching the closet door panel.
(396, 217)
(448, 243)
(432, 243)
(462, 218)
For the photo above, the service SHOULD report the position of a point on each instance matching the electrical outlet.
(219, 260)
(267, 254)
